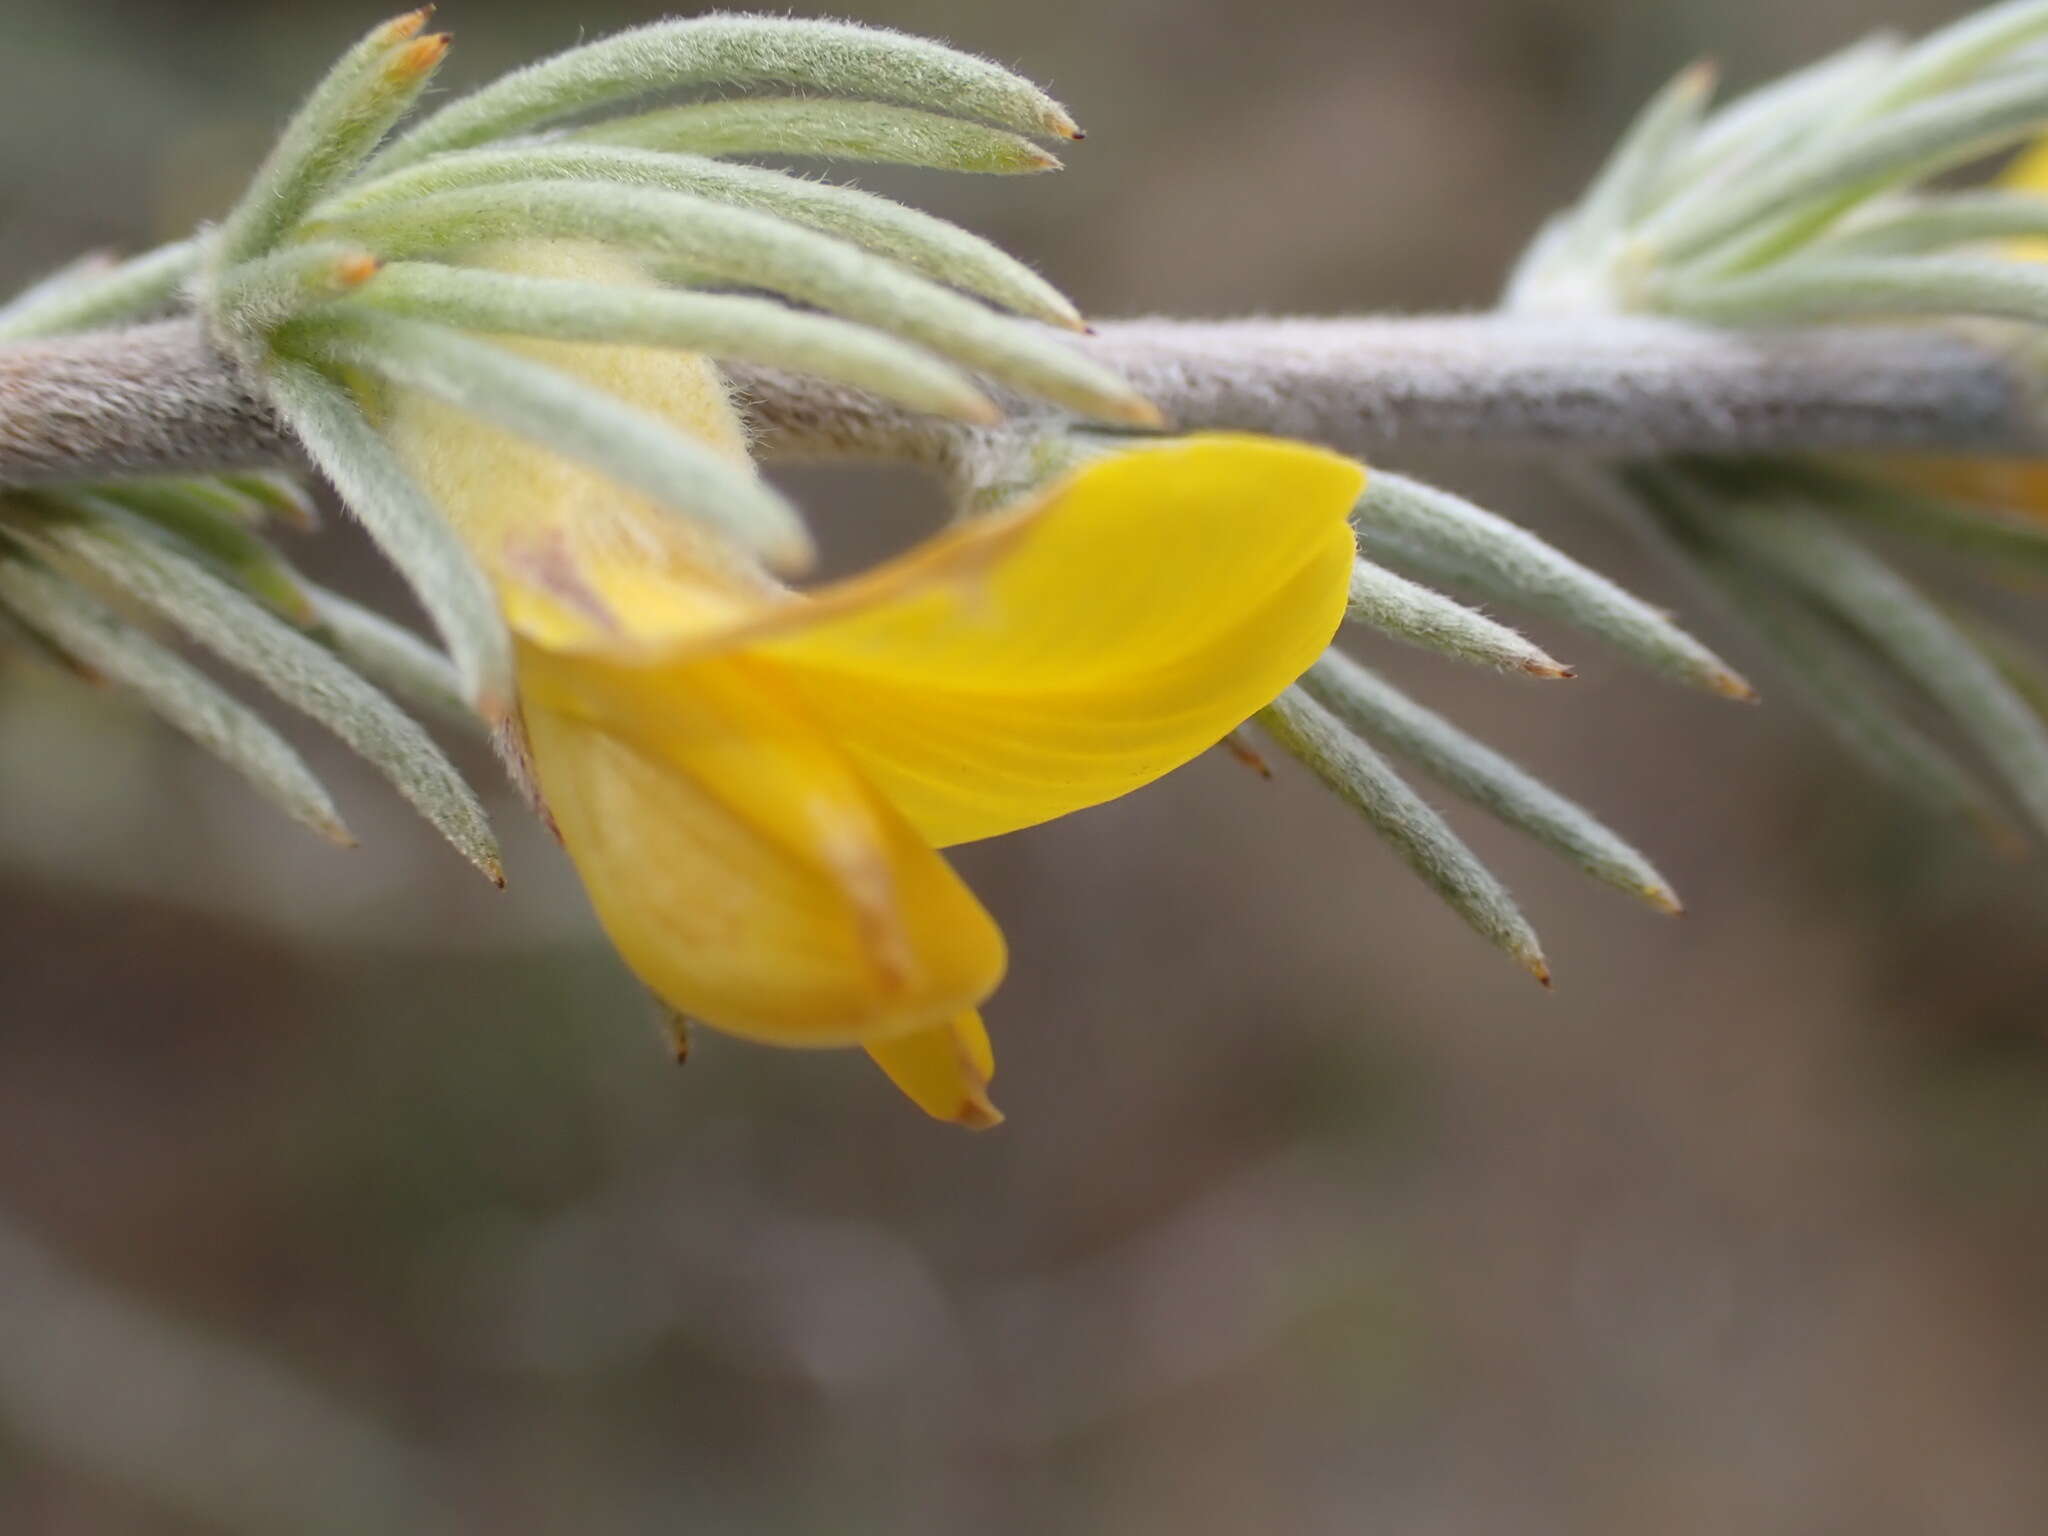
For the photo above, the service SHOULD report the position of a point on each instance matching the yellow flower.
(753, 782)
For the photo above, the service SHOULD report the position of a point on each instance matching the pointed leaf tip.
(1733, 685)
(336, 832)
(422, 56)
(1664, 899)
(356, 269)
(1243, 752)
(1135, 411)
(399, 28)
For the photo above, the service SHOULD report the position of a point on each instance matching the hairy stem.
(152, 398)
(160, 398)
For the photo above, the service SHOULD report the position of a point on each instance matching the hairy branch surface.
(160, 398)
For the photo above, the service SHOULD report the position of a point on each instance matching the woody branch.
(160, 398)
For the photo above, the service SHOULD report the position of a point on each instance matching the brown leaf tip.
(422, 54)
(1060, 125)
(1247, 754)
(679, 1038)
(1732, 685)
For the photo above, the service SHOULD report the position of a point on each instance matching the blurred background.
(341, 1192)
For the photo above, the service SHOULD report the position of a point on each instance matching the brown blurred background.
(338, 1192)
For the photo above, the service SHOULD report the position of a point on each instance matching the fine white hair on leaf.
(831, 58)
(745, 247)
(808, 128)
(1422, 838)
(941, 251)
(97, 638)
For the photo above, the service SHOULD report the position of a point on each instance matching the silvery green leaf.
(297, 669)
(939, 250)
(403, 523)
(828, 58)
(837, 130)
(392, 657)
(1409, 611)
(720, 325)
(1779, 113)
(1368, 704)
(198, 496)
(1910, 227)
(132, 289)
(188, 516)
(1838, 680)
(53, 285)
(1625, 188)
(2017, 659)
(1408, 825)
(1908, 145)
(1958, 52)
(1449, 538)
(248, 301)
(275, 492)
(1811, 554)
(750, 249)
(575, 419)
(97, 638)
(1817, 288)
(2009, 539)
(1537, 270)
(365, 93)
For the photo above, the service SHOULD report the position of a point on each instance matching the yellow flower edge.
(753, 783)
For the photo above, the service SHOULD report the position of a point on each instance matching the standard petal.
(1065, 653)
(741, 864)
(944, 1071)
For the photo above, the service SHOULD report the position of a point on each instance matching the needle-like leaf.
(1407, 824)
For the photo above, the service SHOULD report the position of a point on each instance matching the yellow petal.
(743, 867)
(2029, 170)
(2028, 173)
(944, 1071)
(1068, 652)
(579, 561)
